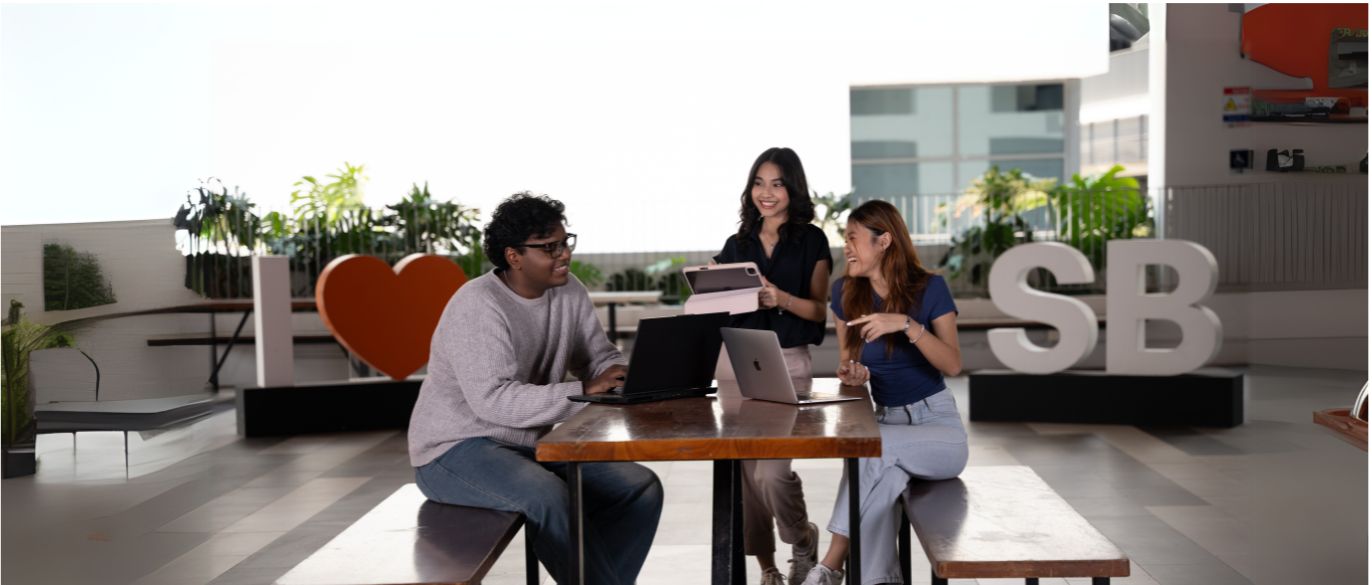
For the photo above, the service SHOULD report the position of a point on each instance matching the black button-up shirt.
(792, 264)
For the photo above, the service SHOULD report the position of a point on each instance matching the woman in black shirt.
(775, 232)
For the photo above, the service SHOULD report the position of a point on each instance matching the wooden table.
(610, 300)
(1344, 426)
(725, 429)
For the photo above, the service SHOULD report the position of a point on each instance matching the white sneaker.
(804, 559)
(822, 575)
(772, 576)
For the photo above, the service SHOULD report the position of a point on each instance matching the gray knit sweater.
(497, 365)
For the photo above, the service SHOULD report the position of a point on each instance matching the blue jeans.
(621, 501)
(923, 440)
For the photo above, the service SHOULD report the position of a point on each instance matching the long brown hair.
(801, 209)
(900, 266)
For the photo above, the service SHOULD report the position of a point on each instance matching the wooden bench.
(407, 539)
(1004, 522)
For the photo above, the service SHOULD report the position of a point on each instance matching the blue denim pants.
(621, 502)
(923, 440)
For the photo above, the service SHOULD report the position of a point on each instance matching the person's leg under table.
(622, 503)
(487, 474)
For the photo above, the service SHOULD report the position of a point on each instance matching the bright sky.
(644, 120)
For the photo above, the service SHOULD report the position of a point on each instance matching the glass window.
(901, 123)
(1009, 119)
(884, 180)
(874, 102)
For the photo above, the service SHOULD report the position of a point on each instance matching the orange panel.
(387, 317)
(1294, 38)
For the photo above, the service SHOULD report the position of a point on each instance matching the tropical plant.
(326, 203)
(831, 212)
(220, 231)
(1094, 210)
(589, 274)
(437, 227)
(73, 280)
(327, 220)
(20, 338)
(999, 200)
(663, 275)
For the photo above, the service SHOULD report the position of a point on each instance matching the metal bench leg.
(903, 544)
(530, 559)
(936, 580)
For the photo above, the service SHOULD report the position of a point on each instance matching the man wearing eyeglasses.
(496, 384)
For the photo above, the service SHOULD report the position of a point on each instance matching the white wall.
(1202, 59)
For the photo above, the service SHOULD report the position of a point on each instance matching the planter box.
(18, 460)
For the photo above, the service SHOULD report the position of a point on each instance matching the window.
(919, 147)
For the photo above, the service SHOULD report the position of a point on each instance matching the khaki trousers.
(771, 491)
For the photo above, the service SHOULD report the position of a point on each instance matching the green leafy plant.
(999, 200)
(221, 230)
(326, 203)
(663, 275)
(20, 338)
(327, 220)
(73, 280)
(589, 274)
(831, 212)
(1094, 210)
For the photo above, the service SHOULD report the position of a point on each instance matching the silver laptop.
(761, 371)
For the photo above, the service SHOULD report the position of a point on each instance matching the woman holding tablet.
(775, 232)
(897, 330)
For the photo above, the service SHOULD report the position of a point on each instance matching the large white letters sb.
(1011, 293)
(1128, 307)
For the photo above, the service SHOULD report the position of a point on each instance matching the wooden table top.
(1004, 521)
(407, 539)
(1344, 426)
(726, 426)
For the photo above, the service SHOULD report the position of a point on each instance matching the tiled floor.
(1277, 500)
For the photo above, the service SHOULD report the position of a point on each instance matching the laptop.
(673, 357)
(761, 370)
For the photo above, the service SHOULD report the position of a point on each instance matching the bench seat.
(407, 539)
(1005, 522)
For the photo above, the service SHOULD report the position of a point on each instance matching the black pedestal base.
(360, 405)
(1205, 398)
(18, 460)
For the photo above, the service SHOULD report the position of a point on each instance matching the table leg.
(903, 543)
(935, 579)
(530, 558)
(854, 525)
(578, 552)
(614, 328)
(727, 562)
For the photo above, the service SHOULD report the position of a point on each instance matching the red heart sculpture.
(387, 317)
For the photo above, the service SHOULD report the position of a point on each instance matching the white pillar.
(271, 291)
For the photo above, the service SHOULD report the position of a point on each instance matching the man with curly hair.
(500, 355)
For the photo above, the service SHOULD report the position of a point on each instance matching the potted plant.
(21, 338)
(1001, 199)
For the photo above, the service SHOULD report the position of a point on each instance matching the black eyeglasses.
(554, 248)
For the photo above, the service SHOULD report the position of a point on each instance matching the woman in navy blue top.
(775, 232)
(897, 331)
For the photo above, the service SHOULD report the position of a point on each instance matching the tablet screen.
(722, 277)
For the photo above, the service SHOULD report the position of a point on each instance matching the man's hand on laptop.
(612, 377)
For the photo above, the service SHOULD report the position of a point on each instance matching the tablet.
(722, 277)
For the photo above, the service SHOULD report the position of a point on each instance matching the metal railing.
(1267, 236)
